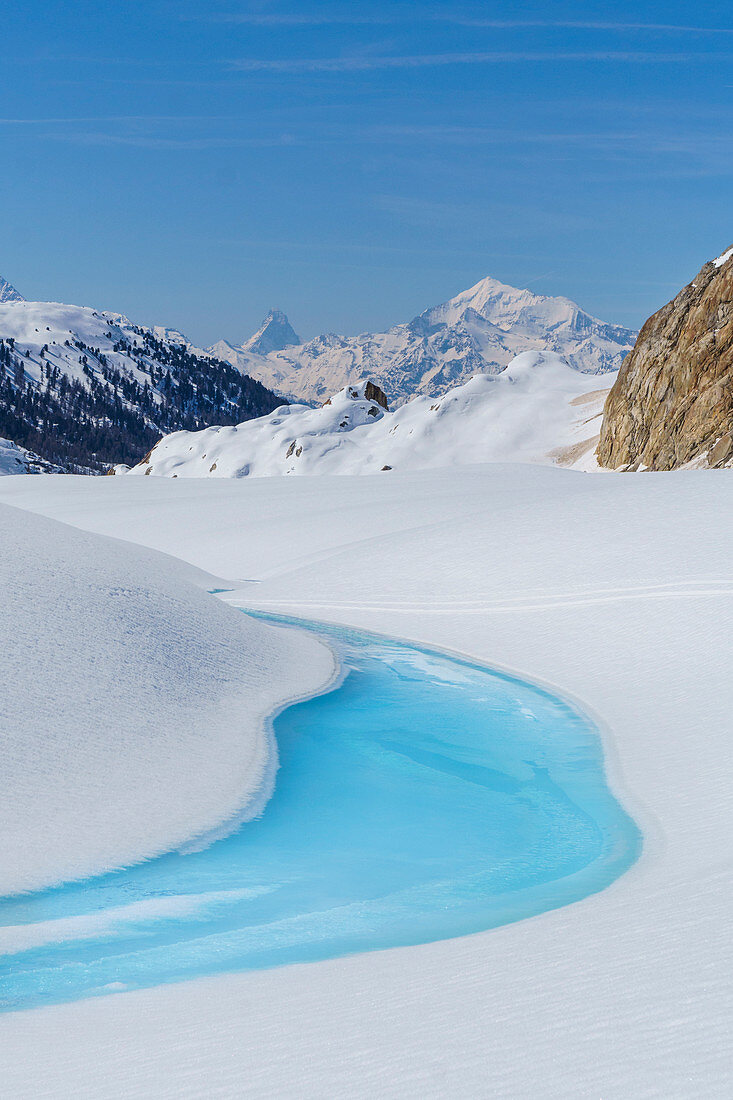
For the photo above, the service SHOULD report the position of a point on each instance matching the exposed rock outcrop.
(372, 392)
(672, 403)
(8, 293)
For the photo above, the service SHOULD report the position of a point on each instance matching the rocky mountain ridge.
(8, 293)
(274, 334)
(672, 404)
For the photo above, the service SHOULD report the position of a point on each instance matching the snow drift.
(134, 706)
(18, 460)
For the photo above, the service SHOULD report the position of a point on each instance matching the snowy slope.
(602, 587)
(482, 329)
(34, 325)
(87, 388)
(17, 460)
(537, 410)
(134, 705)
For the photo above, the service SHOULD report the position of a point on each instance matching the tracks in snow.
(516, 604)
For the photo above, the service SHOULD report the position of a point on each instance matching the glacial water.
(424, 797)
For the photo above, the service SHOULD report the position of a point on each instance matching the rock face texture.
(274, 334)
(672, 403)
(373, 393)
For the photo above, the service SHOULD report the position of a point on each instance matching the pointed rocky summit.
(274, 334)
(8, 293)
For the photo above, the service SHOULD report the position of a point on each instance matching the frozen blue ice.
(424, 797)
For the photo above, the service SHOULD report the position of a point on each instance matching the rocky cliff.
(672, 403)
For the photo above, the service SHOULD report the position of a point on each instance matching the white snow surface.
(536, 410)
(479, 330)
(723, 258)
(34, 325)
(134, 704)
(13, 459)
(17, 460)
(617, 591)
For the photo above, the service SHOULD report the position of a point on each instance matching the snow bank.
(616, 589)
(537, 410)
(17, 460)
(134, 704)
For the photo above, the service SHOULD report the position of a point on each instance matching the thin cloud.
(581, 25)
(354, 19)
(688, 141)
(297, 19)
(480, 135)
(149, 131)
(152, 141)
(98, 119)
(366, 63)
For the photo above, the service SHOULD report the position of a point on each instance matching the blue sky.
(197, 163)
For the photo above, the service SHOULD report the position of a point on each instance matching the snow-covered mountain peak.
(274, 334)
(169, 335)
(513, 308)
(8, 293)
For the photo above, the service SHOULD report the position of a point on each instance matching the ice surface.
(405, 812)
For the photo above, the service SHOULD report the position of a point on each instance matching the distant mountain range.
(83, 389)
(537, 410)
(479, 331)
